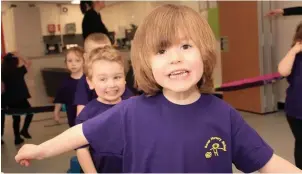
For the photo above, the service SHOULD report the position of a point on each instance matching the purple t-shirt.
(293, 103)
(103, 163)
(85, 95)
(154, 135)
(65, 95)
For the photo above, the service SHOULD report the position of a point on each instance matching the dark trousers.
(17, 118)
(296, 127)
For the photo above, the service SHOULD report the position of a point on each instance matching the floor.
(273, 128)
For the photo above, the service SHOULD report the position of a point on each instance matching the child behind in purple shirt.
(105, 73)
(291, 67)
(65, 95)
(83, 93)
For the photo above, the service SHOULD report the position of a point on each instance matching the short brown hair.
(298, 35)
(107, 53)
(79, 51)
(160, 30)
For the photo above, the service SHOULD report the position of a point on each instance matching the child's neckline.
(109, 104)
(172, 104)
(78, 78)
(182, 98)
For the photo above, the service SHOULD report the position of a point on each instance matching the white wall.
(52, 14)
(8, 26)
(117, 17)
(284, 29)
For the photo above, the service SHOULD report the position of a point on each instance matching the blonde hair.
(160, 30)
(79, 51)
(298, 35)
(96, 38)
(107, 53)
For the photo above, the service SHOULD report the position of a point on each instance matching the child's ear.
(90, 84)
(125, 78)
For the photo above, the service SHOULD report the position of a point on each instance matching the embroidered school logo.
(215, 145)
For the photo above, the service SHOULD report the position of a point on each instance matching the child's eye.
(161, 52)
(117, 77)
(103, 79)
(186, 46)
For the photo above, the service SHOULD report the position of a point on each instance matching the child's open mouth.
(112, 92)
(179, 74)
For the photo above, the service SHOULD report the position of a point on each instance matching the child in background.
(176, 126)
(83, 93)
(105, 74)
(14, 68)
(291, 67)
(74, 62)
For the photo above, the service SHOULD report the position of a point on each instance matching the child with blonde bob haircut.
(105, 74)
(177, 126)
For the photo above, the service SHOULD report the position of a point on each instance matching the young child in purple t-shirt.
(176, 126)
(65, 95)
(291, 67)
(105, 74)
(83, 94)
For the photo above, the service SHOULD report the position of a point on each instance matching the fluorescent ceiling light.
(75, 1)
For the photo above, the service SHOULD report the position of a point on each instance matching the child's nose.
(176, 57)
(111, 83)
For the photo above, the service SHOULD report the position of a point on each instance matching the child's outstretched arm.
(286, 64)
(85, 160)
(68, 140)
(279, 165)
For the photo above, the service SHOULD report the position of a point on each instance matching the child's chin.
(113, 99)
(180, 88)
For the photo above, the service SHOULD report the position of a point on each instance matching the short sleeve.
(105, 131)
(295, 68)
(83, 116)
(82, 94)
(249, 151)
(60, 95)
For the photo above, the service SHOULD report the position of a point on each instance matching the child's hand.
(297, 48)
(28, 62)
(275, 12)
(57, 118)
(16, 53)
(26, 153)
